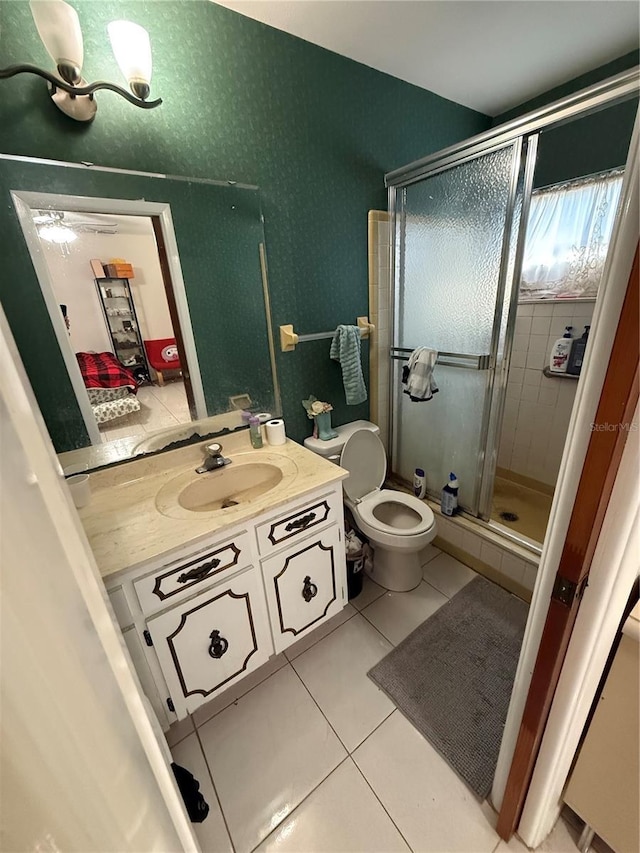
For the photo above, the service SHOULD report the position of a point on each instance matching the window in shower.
(568, 236)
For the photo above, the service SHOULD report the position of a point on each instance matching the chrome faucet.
(213, 459)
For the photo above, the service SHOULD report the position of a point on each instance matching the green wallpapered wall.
(246, 102)
(595, 143)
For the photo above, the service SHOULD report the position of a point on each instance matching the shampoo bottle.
(449, 500)
(574, 365)
(419, 483)
(561, 351)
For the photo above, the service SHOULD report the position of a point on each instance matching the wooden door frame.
(174, 313)
(618, 402)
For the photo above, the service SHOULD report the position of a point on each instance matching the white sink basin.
(248, 477)
(231, 487)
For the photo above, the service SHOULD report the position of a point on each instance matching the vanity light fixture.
(59, 29)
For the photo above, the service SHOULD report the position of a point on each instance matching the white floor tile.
(266, 753)
(213, 707)
(428, 553)
(341, 816)
(447, 574)
(318, 633)
(370, 591)
(430, 805)
(211, 833)
(335, 673)
(178, 731)
(397, 614)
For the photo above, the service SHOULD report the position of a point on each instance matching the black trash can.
(355, 572)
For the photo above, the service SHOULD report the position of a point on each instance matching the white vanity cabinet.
(200, 618)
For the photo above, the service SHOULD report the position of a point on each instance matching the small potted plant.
(320, 413)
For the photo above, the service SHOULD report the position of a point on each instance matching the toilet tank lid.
(334, 446)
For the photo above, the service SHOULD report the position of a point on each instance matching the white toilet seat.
(365, 510)
(398, 533)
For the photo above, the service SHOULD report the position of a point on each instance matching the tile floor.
(160, 407)
(307, 755)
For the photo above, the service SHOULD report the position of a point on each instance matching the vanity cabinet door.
(305, 585)
(210, 641)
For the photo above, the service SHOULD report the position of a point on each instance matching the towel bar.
(448, 359)
(289, 339)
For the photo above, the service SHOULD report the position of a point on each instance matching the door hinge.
(339, 535)
(147, 638)
(566, 591)
(170, 705)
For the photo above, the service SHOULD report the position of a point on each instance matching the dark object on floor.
(195, 804)
(452, 677)
(509, 516)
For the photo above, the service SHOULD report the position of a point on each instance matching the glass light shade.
(59, 29)
(57, 234)
(132, 50)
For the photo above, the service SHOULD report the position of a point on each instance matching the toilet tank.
(332, 449)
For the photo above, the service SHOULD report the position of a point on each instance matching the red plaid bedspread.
(103, 370)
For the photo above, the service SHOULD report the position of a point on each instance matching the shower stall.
(459, 231)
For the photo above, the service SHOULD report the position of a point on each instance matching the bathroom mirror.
(139, 304)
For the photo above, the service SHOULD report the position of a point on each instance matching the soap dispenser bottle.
(255, 433)
(574, 365)
(561, 351)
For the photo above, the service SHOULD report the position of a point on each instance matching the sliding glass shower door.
(454, 233)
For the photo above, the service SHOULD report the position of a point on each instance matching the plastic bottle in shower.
(449, 499)
(561, 351)
(574, 365)
(419, 483)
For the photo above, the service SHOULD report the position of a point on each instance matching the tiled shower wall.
(379, 315)
(538, 409)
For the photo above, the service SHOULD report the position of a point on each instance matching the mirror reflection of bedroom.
(108, 282)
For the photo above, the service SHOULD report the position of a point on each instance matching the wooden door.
(617, 404)
(173, 313)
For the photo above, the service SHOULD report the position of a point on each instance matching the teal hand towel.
(345, 348)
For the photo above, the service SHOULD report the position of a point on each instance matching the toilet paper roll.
(275, 432)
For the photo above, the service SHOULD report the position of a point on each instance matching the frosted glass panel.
(450, 230)
(450, 236)
(443, 434)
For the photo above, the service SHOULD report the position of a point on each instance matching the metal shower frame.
(523, 132)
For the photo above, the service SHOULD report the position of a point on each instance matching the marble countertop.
(125, 528)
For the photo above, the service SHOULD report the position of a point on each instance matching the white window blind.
(568, 237)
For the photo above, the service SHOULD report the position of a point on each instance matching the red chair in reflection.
(162, 355)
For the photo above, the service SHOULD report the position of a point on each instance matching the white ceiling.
(490, 55)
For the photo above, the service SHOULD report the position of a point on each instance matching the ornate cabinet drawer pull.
(199, 572)
(300, 523)
(218, 644)
(309, 590)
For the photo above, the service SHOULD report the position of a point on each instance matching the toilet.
(397, 525)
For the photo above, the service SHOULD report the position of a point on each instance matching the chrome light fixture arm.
(77, 91)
